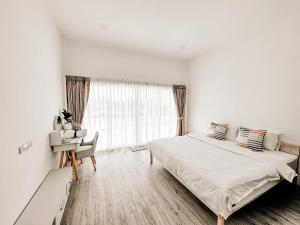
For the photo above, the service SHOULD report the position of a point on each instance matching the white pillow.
(272, 141)
(231, 133)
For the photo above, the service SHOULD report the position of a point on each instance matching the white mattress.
(281, 156)
(221, 174)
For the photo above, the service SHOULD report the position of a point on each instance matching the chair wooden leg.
(93, 161)
(74, 162)
(151, 158)
(61, 159)
(220, 220)
(67, 159)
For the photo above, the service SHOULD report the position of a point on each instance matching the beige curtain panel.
(179, 92)
(78, 90)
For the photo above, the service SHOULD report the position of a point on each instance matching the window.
(129, 113)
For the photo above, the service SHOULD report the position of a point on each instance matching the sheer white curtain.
(129, 113)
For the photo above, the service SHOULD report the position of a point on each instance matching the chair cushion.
(83, 148)
(84, 151)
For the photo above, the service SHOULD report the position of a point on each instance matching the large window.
(129, 113)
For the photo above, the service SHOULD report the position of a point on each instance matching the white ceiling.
(160, 26)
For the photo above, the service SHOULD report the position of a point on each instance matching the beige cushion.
(271, 141)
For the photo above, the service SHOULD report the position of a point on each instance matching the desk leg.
(74, 164)
(67, 159)
(61, 159)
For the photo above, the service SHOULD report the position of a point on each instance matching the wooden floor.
(127, 190)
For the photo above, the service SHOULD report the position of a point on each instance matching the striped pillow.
(217, 131)
(252, 139)
(242, 139)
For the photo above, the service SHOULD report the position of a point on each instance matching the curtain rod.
(128, 81)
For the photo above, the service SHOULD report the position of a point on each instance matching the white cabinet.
(49, 202)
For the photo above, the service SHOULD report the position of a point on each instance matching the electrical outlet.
(24, 147)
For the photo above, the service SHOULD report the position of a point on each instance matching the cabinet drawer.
(60, 212)
(68, 186)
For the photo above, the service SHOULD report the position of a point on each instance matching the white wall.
(31, 94)
(96, 61)
(253, 82)
(83, 59)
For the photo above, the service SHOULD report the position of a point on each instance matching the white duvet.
(220, 173)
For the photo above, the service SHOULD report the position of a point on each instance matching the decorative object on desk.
(76, 126)
(71, 125)
(67, 116)
(57, 123)
(80, 133)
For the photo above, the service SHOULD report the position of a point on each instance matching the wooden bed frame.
(285, 147)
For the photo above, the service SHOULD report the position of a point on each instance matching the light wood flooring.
(126, 190)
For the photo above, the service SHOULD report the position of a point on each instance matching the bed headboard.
(290, 148)
(295, 150)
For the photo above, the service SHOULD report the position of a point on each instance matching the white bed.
(224, 176)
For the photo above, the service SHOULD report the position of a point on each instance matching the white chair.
(87, 149)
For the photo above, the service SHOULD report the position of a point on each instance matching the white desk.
(65, 147)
